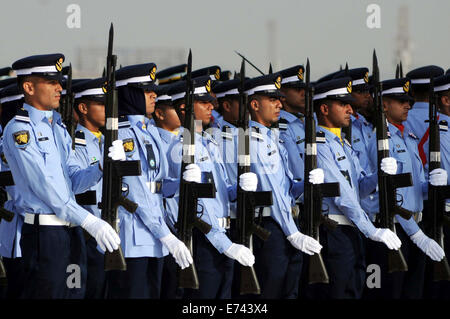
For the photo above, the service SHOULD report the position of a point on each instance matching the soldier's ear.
(28, 87)
(324, 109)
(254, 105)
(445, 100)
(83, 108)
(159, 114)
(226, 106)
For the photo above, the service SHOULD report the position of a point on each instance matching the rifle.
(190, 192)
(246, 60)
(312, 216)
(436, 194)
(388, 184)
(67, 107)
(347, 129)
(113, 171)
(247, 201)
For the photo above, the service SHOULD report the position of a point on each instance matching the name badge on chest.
(150, 156)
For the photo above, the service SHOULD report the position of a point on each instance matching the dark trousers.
(52, 261)
(15, 277)
(141, 280)
(344, 258)
(277, 263)
(169, 288)
(214, 270)
(397, 285)
(437, 289)
(96, 276)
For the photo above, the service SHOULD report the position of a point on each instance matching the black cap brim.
(149, 86)
(361, 88)
(347, 98)
(94, 98)
(294, 85)
(401, 97)
(204, 97)
(276, 94)
(47, 76)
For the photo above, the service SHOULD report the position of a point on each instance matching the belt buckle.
(155, 187)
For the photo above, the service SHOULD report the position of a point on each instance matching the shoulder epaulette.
(283, 124)
(443, 125)
(320, 137)
(22, 115)
(255, 134)
(123, 122)
(80, 138)
(212, 140)
(347, 142)
(413, 136)
(225, 133)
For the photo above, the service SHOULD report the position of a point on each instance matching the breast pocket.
(142, 236)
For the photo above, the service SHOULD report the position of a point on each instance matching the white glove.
(430, 247)
(316, 176)
(103, 233)
(389, 165)
(116, 151)
(438, 177)
(178, 250)
(305, 243)
(192, 173)
(248, 182)
(241, 253)
(388, 237)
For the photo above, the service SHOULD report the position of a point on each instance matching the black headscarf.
(131, 100)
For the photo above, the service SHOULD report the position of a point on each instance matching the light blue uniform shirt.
(269, 162)
(445, 146)
(10, 232)
(404, 150)
(227, 139)
(340, 164)
(417, 123)
(168, 139)
(45, 170)
(292, 132)
(362, 132)
(88, 154)
(208, 158)
(140, 232)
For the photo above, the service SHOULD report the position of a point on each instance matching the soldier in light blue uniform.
(403, 147)
(89, 142)
(38, 150)
(291, 122)
(361, 130)
(169, 128)
(146, 238)
(10, 232)
(441, 289)
(214, 73)
(343, 247)
(417, 121)
(278, 259)
(214, 252)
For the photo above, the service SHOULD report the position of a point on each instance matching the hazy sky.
(329, 32)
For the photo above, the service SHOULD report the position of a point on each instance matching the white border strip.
(39, 69)
(136, 79)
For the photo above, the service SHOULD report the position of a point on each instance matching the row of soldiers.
(52, 229)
